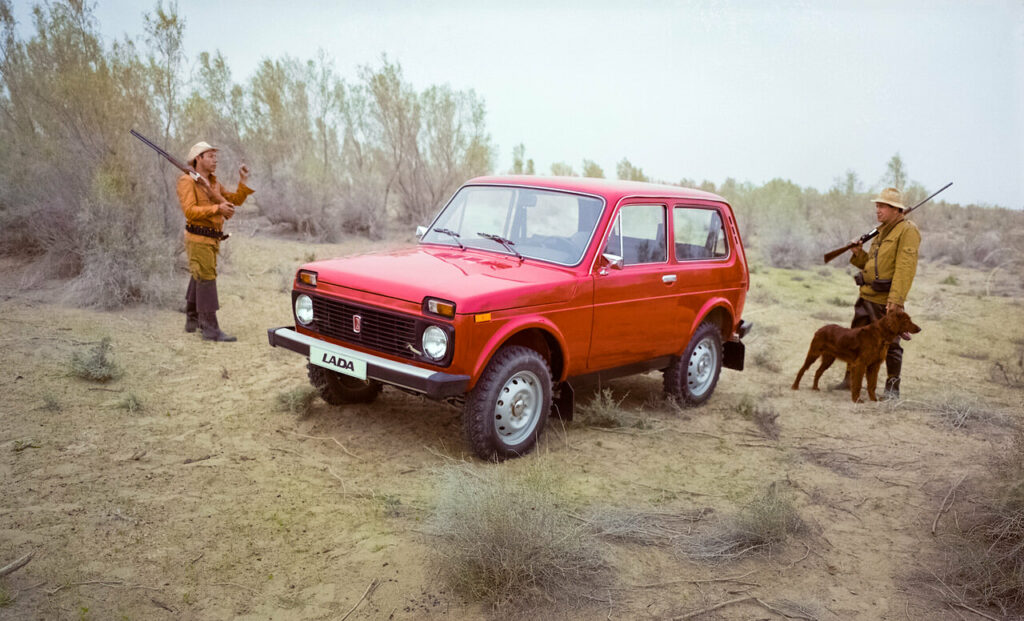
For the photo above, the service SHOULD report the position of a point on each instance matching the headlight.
(304, 309)
(435, 342)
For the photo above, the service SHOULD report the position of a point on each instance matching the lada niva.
(523, 287)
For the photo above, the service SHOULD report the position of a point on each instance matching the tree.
(626, 170)
(519, 165)
(561, 169)
(896, 173)
(591, 169)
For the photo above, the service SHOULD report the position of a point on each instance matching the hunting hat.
(888, 196)
(198, 149)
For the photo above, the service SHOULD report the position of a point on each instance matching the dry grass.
(649, 528)
(132, 403)
(95, 365)
(605, 412)
(763, 416)
(765, 522)
(505, 539)
(298, 401)
(984, 555)
(1009, 372)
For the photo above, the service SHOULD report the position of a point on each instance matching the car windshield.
(537, 224)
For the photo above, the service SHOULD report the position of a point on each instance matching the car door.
(633, 302)
(701, 256)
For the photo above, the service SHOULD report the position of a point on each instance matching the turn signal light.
(443, 308)
(307, 278)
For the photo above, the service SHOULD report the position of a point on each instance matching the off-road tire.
(506, 411)
(692, 378)
(338, 389)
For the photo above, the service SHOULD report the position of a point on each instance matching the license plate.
(342, 363)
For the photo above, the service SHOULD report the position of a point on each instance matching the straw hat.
(198, 149)
(888, 196)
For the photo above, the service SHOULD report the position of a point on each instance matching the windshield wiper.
(507, 243)
(454, 235)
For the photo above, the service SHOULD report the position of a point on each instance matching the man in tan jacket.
(206, 204)
(887, 271)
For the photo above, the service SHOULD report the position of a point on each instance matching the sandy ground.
(211, 502)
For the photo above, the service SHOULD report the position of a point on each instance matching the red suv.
(522, 287)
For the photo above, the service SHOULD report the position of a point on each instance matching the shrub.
(504, 538)
(764, 522)
(604, 411)
(298, 401)
(132, 403)
(96, 365)
(984, 560)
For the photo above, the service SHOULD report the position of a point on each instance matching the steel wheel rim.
(700, 368)
(517, 408)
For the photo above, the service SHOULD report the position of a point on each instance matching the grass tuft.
(505, 539)
(132, 403)
(765, 522)
(1009, 372)
(298, 401)
(606, 412)
(984, 555)
(95, 365)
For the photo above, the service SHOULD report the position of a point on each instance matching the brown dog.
(862, 348)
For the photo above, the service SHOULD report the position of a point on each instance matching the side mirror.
(420, 232)
(613, 261)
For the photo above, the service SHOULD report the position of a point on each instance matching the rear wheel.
(507, 409)
(692, 377)
(338, 389)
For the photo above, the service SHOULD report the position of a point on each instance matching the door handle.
(668, 278)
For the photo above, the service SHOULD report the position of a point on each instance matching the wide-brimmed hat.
(891, 197)
(198, 149)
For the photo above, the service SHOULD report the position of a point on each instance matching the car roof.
(611, 189)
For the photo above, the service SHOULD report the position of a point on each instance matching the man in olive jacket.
(206, 204)
(887, 271)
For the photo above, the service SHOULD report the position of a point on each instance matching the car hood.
(475, 280)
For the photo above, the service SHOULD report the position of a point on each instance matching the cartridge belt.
(206, 231)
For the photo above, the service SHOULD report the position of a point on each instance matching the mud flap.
(733, 353)
(563, 402)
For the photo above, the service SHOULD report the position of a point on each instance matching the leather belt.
(206, 231)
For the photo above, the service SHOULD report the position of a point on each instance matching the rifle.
(188, 170)
(874, 232)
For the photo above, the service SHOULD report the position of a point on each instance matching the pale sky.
(801, 90)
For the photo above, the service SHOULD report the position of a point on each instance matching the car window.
(539, 224)
(699, 234)
(638, 235)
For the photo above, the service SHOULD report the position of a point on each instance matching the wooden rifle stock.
(874, 232)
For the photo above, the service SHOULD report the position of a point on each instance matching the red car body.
(568, 300)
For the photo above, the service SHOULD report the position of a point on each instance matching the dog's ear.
(911, 327)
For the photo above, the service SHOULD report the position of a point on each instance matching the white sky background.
(802, 90)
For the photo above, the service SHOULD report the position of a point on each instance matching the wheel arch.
(539, 335)
(720, 312)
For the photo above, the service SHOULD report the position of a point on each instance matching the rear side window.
(699, 234)
(638, 235)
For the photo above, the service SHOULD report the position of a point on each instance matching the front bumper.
(433, 384)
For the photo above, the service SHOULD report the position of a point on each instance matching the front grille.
(381, 331)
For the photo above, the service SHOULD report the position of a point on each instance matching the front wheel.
(338, 389)
(692, 377)
(507, 409)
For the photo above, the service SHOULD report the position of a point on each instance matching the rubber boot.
(207, 305)
(893, 366)
(892, 388)
(845, 383)
(191, 315)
